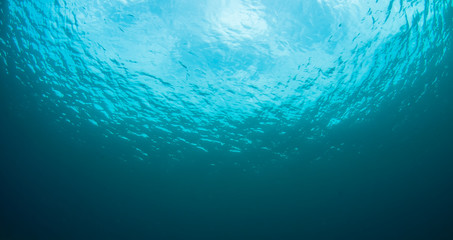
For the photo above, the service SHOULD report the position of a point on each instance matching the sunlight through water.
(224, 76)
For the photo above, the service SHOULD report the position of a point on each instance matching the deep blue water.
(235, 119)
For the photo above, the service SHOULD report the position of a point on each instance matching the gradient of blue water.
(145, 119)
(230, 76)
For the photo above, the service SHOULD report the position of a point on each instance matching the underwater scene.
(226, 119)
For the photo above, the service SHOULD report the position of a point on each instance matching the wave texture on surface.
(223, 76)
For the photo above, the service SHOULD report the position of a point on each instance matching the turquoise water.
(245, 119)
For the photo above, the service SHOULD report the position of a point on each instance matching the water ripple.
(224, 76)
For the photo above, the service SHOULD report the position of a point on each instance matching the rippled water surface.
(223, 76)
(226, 119)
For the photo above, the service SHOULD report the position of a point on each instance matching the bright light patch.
(239, 20)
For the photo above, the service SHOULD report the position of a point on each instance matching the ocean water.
(232, 119)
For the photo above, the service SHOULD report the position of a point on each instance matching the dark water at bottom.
(384, 184)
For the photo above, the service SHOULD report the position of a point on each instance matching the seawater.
(234, 119)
